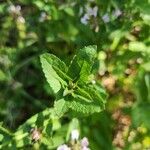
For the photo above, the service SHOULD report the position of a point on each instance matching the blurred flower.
(85, 19)
(63, 147)
(35, 134)
(128, 71)
(106, 18)
(14, 9)
(85, 148)
(93, 82)
(136, 146)
(131, 136)
(116, 115)
(96, 28)
(11, 8)
(118, 140)
(84, 142)
(42, 17)
(18, 8)
(125, 120)
(21, 19)
(142, 130)
(75, 134)
(117, 13)
(92, 11)
(109, 82)
(139, 60)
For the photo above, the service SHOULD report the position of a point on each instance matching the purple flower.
(63, 147)
(117, 13)
(92, 11)
(85, 19)
(18, 8)
(85, 148)
(106, 18)
(84, 142)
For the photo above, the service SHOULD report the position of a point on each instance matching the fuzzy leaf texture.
(72, 84)
(81, 65)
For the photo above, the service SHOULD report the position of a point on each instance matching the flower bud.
(75, 134)
(106, 18)
(84, 142)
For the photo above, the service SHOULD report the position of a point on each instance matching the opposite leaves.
(73, 84)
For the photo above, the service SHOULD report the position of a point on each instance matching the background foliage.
(120, 29)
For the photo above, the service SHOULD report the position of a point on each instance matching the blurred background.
(121, 31)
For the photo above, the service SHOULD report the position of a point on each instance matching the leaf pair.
(72, 85)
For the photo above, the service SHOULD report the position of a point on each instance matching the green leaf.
(147, 83)
(3, 76)
(60, 107)
(69, 11)
(79, 105)
(88, 99)
(54, 142)
(54, 70)
(143, 86)
(140, 115)
(146, 66)
(82, 63)
(138, 47)
(5, 137)
(73, 88)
